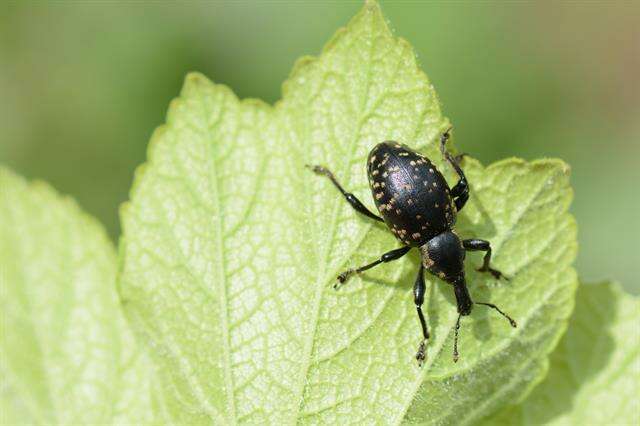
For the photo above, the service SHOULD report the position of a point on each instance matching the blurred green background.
(83, 86)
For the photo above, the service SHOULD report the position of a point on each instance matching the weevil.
(418, 206)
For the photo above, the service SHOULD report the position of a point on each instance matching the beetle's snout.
(463, 299)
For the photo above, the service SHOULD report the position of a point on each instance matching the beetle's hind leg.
(418, 297)
(475, 244)
(460, 192)
(351, 199)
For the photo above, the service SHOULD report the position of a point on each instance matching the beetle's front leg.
(418, 297)
(387, 257)
(460, 192)
(475, 244)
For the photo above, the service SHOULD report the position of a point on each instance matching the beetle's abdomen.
(410, 193)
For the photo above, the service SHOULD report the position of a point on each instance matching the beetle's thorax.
(443, 256)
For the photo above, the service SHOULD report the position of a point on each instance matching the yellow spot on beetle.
(428, 262)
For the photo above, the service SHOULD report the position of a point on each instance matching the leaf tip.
(371, 6)
(193, 80)
(563, 167)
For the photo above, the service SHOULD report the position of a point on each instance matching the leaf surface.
(594, 375)
(231, 248)
(66, 354)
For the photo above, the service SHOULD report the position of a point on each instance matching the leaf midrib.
(172, 346)
(221, 260)
(322, 277)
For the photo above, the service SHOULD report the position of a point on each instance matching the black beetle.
(418, 206)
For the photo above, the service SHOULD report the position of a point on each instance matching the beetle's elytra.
(410, 193)
(420, 209)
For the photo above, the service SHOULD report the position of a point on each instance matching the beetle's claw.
(318, 169)
(444, 137)
(343, 277)
(420, 355)
(496, 274)
(458, 158)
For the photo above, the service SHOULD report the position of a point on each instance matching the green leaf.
(594, 375)
(66, 355)
(231, 248)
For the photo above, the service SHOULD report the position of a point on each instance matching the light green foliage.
(231, 247)
(66, 355)
(521, 208)
(595, 370)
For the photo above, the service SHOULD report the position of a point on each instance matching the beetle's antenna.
(455, 339)
(491, 305)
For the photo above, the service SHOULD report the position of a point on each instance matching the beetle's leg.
(458, 158)
(491, 305)
(455, 339)
(387, 257)
(418, 297)
(483, 245)
(460, 192)
(351, 199)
